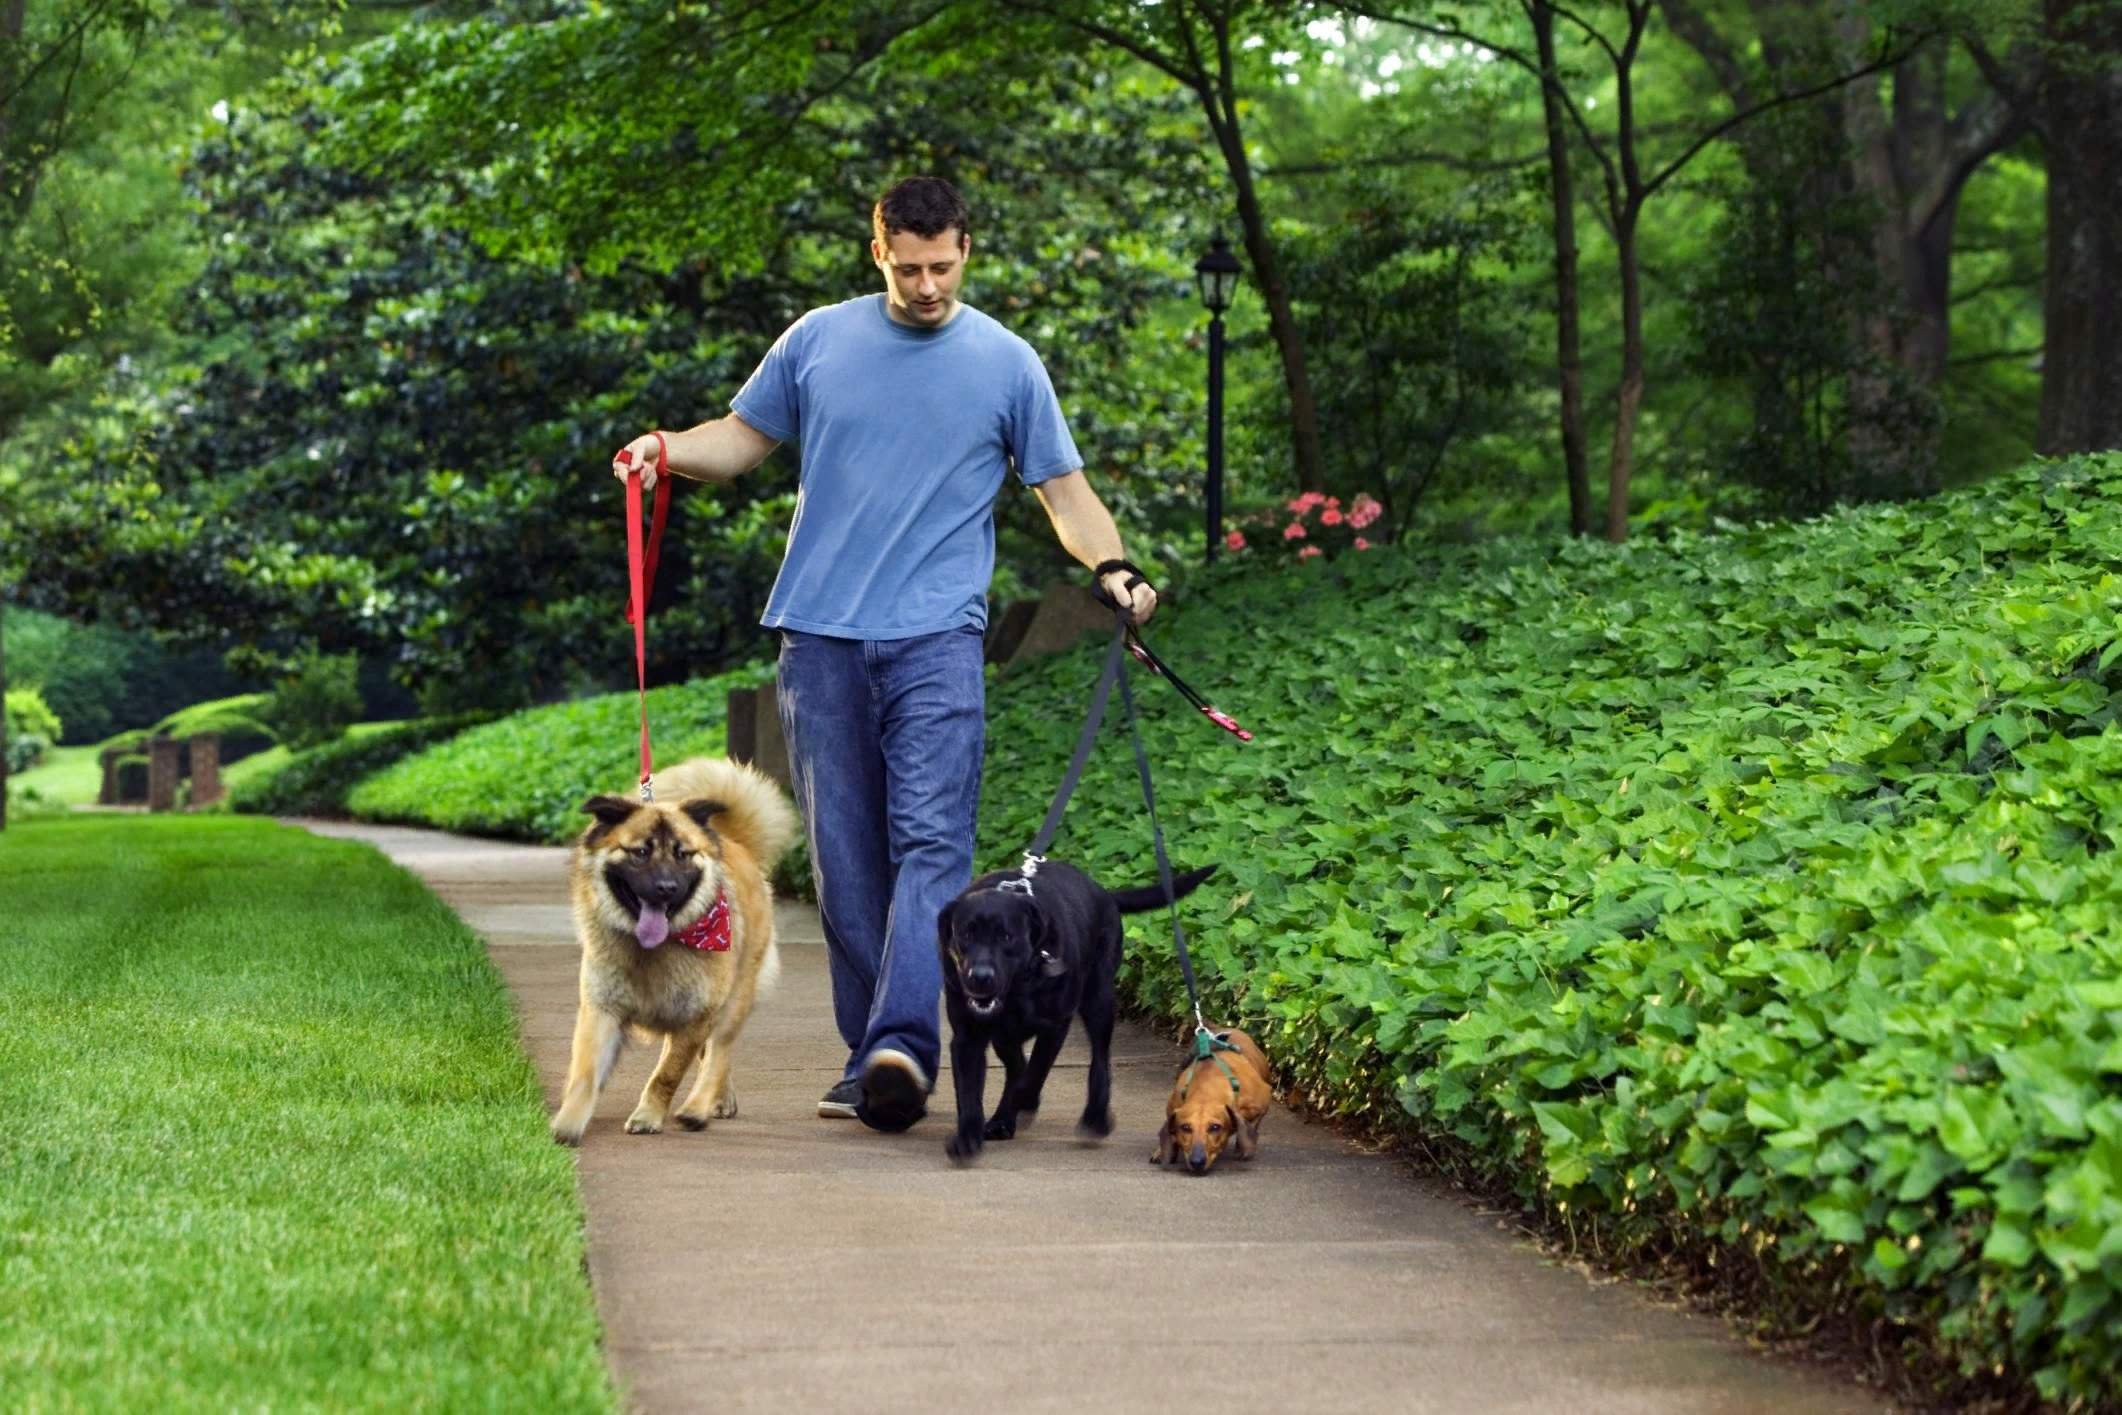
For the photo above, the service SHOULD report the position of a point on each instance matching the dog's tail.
(754, 811)
(1151, 896)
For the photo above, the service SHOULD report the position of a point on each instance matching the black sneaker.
(894, 1091)
(839, 1103)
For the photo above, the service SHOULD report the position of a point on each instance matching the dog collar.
(710, 932)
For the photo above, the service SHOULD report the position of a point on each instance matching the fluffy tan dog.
(1216, 1102)
(676, 921)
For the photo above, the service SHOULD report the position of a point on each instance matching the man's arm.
(722, 450)
(1086, 530)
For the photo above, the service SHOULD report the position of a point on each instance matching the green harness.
(1206, 1045)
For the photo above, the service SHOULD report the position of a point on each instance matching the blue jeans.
(884, 744)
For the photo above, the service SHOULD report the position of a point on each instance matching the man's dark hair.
(926, 206)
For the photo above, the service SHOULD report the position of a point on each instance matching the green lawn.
(68, 775)
(269, 1141)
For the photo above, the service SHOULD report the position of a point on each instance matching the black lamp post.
(1217, 272)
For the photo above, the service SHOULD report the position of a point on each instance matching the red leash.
(641, 576)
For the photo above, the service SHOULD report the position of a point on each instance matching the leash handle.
(1148, 658)
(641, 576)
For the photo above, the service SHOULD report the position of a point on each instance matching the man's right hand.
(643, 450)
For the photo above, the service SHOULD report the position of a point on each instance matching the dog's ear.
(1241, 1139)
(701, 810)
(609, 810)
(1046, 939)
(1165, 1149)
(944, 921)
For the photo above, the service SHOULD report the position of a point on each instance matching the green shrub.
(525, 776)
(316, 782)
(32, 727)
(1747, 895)
(101, 680)
(27, 712)
(25, 749)
(315, 701)
(239, 721)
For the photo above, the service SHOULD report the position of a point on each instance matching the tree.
(1910, 161)
(1194, 43)
(1626, 186)
(2079, 113)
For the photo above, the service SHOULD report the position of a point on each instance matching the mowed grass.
(266, 1137)
(69, 775)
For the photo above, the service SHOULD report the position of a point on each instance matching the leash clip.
(1023, 884)
(648, 792)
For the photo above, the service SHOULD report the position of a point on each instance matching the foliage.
(100, 679)
(525, 776)
(1749, 895)
(32, 727)
(1416, 344)
(316, 782)
(314, 701)
(239, 720)
(314, 1173)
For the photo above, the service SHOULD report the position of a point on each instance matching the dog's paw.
(963, 1148)
(642, 1122)
(690, 1121)
(569, 1135)
(1094, 1127)
(1000, 1129)
(726, 1108)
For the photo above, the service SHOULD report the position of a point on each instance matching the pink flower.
(1364, 511)
(1331, 516)
(1294, 531)
(1362, 544)
(1333, 503)
(1304, 503)
(1235, 540)
(1308, 552)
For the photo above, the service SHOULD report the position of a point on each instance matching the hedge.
(1750, 895)
(524, 777)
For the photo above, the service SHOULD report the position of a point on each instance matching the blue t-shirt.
(906, 435)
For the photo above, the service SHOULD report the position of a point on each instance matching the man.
(909, 408)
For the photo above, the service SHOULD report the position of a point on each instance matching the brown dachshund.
(1216, 1101)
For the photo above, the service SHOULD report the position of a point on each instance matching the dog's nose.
(665, 889)
(1197, 1161)
(981, 976)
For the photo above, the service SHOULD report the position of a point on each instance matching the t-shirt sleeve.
(1039, 440)
(768, 398)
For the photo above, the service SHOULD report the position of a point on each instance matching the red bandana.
(709, 932)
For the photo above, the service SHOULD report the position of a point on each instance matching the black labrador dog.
(1024, 954)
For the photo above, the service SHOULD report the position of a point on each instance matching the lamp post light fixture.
(1217, 273)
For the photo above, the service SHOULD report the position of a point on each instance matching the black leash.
(1125, 637)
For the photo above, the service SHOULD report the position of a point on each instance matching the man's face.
(921, 275)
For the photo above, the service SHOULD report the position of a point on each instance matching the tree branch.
(1884, 61)
(1984, 126)
(1694, 28)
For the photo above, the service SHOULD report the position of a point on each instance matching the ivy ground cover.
(1750, 895)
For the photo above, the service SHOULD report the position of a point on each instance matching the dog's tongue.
(652, 927)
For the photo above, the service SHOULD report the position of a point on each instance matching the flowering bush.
(1309, 525)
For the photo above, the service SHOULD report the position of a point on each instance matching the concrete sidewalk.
(777, 1261)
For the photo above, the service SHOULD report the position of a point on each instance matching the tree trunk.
(1220, 100)
(1569, 358)
(3, 718)
(1620, 464)
(2081, 106)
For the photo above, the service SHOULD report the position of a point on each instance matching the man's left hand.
(1141, 601)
